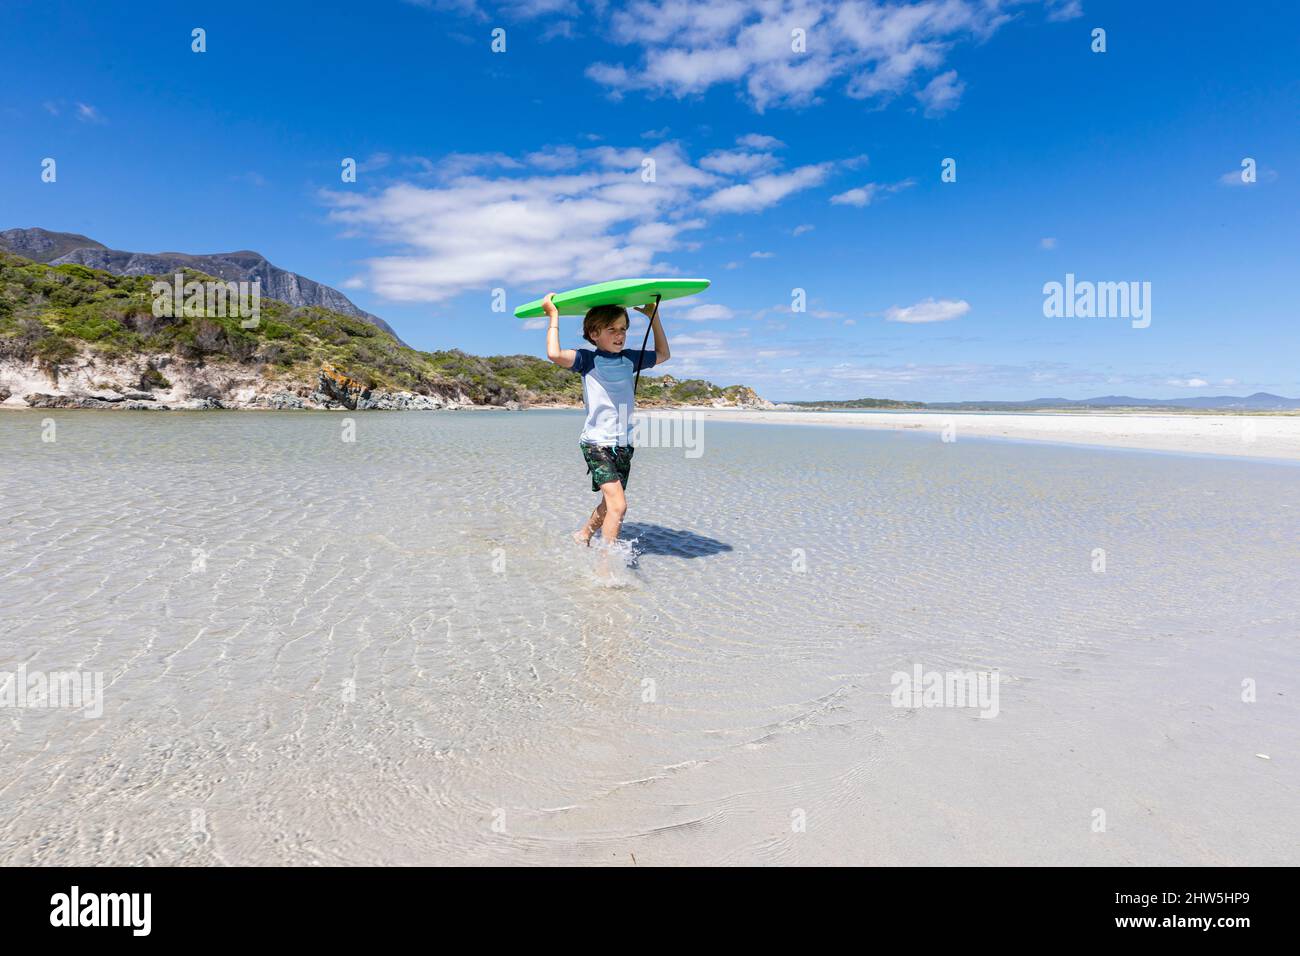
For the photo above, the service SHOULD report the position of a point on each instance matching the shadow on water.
(656, 539)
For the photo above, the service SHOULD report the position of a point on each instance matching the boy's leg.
(583, 534)
(615, 506)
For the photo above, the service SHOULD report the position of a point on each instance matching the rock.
(282, 400)
(4, 394)
(105, 395)
(337, 387)
(41, 400)
(401, 401)
(138, 397)
(323, 400)
(204, 391)
(512, 406)
(198, 404)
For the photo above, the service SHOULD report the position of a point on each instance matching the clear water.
(390, 650)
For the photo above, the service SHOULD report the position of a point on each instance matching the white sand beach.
(1251, 436)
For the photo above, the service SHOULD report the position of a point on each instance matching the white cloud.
(1047, 242)
(1188, 382)
(1233, 178)
(88, 114)
(928, 310)
(734, 162)
(374, 162)
(707, 313)
(801, 229)
(942, 94)
(476, 231)
(860, 196)
(1064, 9)
(533, 325)
(762, 255)
(766, 190)
(759, 141)
(460, 164)
(872, 50)
(557, 215)
(863, 195)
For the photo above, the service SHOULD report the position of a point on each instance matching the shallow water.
(317, 651)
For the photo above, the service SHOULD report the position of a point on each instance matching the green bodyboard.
(624, 292)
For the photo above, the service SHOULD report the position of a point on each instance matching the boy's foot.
(583, 538)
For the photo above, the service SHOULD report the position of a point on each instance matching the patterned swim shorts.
(607, 463)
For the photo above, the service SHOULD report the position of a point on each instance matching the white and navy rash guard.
(608, 392)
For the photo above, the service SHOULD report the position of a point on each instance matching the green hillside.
(52, 314)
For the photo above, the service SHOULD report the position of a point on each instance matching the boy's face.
(612, 337)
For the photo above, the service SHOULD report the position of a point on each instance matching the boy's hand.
(643, 309)
(549, 308)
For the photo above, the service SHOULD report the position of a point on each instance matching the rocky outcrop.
(334, 389)
(58, 248)
(90, 381)
(742, 396)
(339, 388)
(42, 400)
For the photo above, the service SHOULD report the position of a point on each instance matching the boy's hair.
(599, 317)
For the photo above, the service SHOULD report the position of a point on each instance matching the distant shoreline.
(1247, 435)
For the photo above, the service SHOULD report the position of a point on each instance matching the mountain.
(1258, 402)
(41, 245)
(60, 248)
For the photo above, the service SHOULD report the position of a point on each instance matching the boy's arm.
(561, 357)
(661, 337)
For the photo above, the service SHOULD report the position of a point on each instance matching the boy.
(608, 392)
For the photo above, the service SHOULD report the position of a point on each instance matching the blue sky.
(774, 170)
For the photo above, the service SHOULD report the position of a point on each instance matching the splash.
(612, 565)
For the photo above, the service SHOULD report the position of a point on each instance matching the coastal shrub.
(22, 341)
(151, 378)
(270, 329)
(77, 271)
(54, 350)
(89, 326)
(240, 346)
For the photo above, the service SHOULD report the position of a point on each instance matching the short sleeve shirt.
(608, 392)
